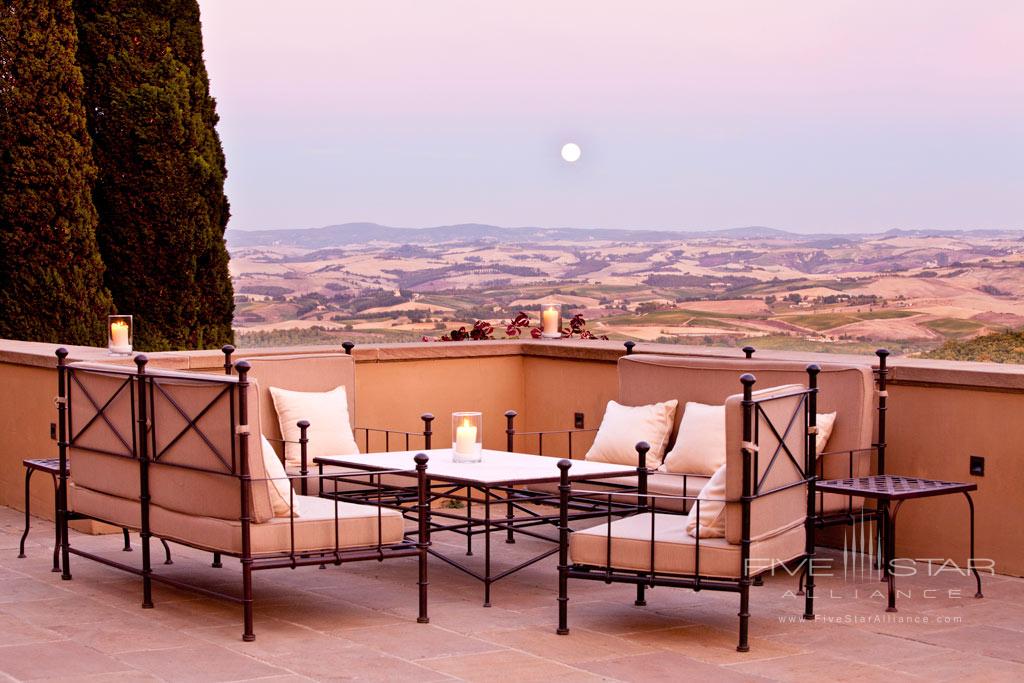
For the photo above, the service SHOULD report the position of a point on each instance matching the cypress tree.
(51, 275)
(160, 190)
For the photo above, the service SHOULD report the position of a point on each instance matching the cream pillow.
(327, 413)
(623, 426)
(711, 521)
(280, 487)
(700, 443)
(825, 421)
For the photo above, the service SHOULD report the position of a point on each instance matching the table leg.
(509, 516)
(487, 547)
(28, 513)
(970, 559)
(890, 534)
(469, 522)
(56, 527)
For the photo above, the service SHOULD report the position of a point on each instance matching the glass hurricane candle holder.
(119, 335)
(467, 437)
(551, 320)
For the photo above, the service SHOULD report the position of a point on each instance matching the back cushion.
(845, 389)
(319, 372)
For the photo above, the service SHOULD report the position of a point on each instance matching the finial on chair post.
(629, 347)
(348, 346)
(140, 363)
(61, 354)
(242, 367)
(428, 431)
(510, 430)
(747, 380)
(748, 351)
(227, 350)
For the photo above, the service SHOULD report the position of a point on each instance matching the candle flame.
(119, 325)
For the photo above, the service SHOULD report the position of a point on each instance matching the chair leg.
(759, 580)
(247, 634)
(563, 602)
(640, 600)
(147, 570)
(56, 528)
(28, 513)
(744, 615)
(167, 552)
(216, 561)
(127, 541)
(423, 617)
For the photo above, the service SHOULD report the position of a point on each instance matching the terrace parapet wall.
(940, 413)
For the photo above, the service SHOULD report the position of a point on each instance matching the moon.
(571, 152)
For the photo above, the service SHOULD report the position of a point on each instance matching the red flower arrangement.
(514, 330)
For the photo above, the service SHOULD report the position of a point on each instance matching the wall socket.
(53, 431)
(577, 422)
(977, 466)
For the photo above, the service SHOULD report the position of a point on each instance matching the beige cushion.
(623, 426)
(700, 445)
(278, 482)
(330, 432)
(675, 550)
(357, 525)
(825, 422)
(710, 522)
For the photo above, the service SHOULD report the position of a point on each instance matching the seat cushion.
(658, 483)
(622, 427)
(675, 550)
(357, 525)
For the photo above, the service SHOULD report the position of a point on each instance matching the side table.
(888, 489)
(51, 466)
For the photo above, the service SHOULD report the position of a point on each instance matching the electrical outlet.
(977, 466)
(53, 431)
(578, 421)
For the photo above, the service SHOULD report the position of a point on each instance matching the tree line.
(111, 175)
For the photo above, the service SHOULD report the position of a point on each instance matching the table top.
(893, 487)
(498, 468)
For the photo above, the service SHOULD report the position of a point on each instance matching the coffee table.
(501, 478)
(887, 489)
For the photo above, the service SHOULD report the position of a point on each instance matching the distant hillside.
(1002, 347)
(361, 233)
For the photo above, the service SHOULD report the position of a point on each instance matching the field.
(911, 291)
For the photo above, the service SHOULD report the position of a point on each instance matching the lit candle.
(549, 321)
(465, 438)
(119, 337)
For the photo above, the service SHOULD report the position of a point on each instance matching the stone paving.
(357, 622)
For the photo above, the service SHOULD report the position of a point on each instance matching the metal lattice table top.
(49, 465)
(892, 487)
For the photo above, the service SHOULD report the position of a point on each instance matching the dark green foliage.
(160, 189)
(51, 276)
(1001, 347)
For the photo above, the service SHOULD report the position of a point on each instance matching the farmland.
(910, 290)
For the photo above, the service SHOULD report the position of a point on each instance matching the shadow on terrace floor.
(358, 622)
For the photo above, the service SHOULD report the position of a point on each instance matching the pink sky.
(809, 115)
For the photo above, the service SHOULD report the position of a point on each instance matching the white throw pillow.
(825, 422)
(700, 443)
(327, 413)
(280, 487)
(623, 426)
(711, 522)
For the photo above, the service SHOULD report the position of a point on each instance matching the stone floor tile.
(419, 641)
(667, 667)
(518, 666)
(576, 646)
(58, 659)
(714, 645)
(817, 667)
(202, 662)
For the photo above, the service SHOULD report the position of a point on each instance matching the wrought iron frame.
(752, 489)
(144, 387)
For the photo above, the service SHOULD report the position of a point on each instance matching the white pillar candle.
(119, 337)
(549, 321)
(465, 438)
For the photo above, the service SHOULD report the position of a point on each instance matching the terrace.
(359, 620)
